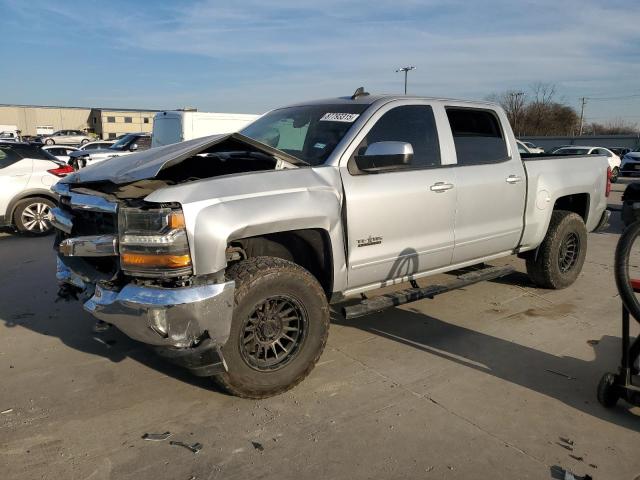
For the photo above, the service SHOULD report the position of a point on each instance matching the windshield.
(309, 133)
(122, 143)
(573, 151)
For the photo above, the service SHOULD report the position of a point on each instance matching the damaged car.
(225, 252)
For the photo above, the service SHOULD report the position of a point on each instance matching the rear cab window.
(477, 136)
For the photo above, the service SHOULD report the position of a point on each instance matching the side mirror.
(381, 156)
(133, 147)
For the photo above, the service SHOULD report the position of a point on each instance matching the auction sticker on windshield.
(339, 117)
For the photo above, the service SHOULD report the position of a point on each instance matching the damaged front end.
(130, 264)
(129, 259)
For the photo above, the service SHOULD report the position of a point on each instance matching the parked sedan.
(66, 137)
(61, 152)
(614, 160)
(129, 143)
(97, 145)
(532, 148)
(26, 175)
(631, 164)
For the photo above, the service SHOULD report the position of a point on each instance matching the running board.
(377, 304)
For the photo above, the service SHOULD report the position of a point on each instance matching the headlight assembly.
(153, 243)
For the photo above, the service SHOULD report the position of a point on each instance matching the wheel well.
(309, 248)
(14, 202)
(577, 203)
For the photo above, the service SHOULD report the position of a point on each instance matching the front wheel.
(279, 328)
(560, 257)
(49, 141)
(84, 141)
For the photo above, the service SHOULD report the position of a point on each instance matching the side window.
(7, 157)
(112, 135)
(477, 136)
(128, 119)
(144, 143)
(414, 124)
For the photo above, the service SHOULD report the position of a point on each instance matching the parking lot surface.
(496, 381)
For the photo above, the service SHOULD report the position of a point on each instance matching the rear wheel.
(33, 216)
(561, 255)
(49, 141)
(279, 329)
(84, 141)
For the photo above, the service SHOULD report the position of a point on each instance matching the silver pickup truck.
(225, 252)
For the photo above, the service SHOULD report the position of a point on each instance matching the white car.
(614, 160)
(532, 148)
(27, 174)
(97, 145)
(61, 152)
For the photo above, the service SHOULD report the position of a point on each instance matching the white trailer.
(178, 126)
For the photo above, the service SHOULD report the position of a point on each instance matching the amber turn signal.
(176, 220)
(154, 260)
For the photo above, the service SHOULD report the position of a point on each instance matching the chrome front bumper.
(176, 317)
(163, 317)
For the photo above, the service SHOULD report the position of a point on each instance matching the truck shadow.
(521, 365)
(28, 299)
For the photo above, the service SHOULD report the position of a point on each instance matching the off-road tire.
(544, 268)
(257, 279)
(20, 223)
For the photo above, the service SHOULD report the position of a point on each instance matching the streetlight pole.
(406, 72)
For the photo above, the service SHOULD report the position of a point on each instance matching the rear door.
(490, 182)
(15, 172)
(399, 222)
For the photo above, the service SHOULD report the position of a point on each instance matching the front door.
(399, 222)
(14, 176)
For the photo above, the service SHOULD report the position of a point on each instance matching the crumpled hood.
(147, 164)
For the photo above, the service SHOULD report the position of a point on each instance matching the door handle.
(513, 179)
(440, 187)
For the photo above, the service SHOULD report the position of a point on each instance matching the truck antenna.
(359, 93)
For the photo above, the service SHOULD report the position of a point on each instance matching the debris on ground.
(108, 343)
(593, 342)
(68, 292)
(156, 437)
(576, 457)
(560, 473)
(592, 465)
(258, 446)
(101, 326)
(568, 377)
(195, 448)
(566, 447)
(20, 316)
(8, 410)
(566, 440)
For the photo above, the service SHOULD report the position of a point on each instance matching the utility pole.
(583, 102)
(516, 106)
(406, 71)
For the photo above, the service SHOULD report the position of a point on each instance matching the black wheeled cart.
(626, 383)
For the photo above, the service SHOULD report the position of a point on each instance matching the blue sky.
(249, 56)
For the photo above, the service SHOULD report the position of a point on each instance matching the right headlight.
(153, 243)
